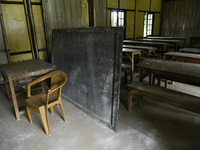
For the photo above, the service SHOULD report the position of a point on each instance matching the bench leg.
(130, 101)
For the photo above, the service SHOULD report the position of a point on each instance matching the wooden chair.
(41, 102)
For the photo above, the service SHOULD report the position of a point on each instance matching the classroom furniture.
(131, 53)
(172, 97)
(190, 50)
(186, 57)
(184, 39)
(194, 40)
(183, 72)
(175, 43)
(20, 71)
(162, 46)
(125, 68)
(147, 50)
(43, 101)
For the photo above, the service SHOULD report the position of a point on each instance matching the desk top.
(196, 56)
(130, 50)
(140, 47)
(190, 50)
(146, 43)
(167, 38)
(25, 67)
(159, 40)
(172, 67)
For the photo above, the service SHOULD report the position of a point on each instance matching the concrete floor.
(151, 126)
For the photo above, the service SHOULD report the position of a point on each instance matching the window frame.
(146, 17)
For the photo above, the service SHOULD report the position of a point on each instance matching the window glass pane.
(114, 19)
(121, 22)
(121, 14)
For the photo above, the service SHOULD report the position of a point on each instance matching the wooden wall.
(181, 18)
(135, 10)
(71, 14)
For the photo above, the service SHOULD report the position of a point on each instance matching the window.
(148, 24)
(117, 19)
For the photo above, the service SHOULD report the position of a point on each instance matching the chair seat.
(39, 100)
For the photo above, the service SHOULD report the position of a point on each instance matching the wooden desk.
(183, 72)
(192, 58)
(184, 39)
(146, 50)
(163, 46)
(175, 43)
(190, 50)
(21, 70)
(131, 53)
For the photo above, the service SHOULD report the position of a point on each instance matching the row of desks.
(183, 72)
(162, 46)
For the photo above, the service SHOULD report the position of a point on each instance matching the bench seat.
(176, 98)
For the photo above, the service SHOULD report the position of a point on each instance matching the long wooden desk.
(192, 58)
(175, 43)
(146, 50)
(184, 39)
(163, 46)
(131, 53)
(183, 72)
(190, 50)
(21, 70)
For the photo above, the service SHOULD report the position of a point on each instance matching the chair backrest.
(58, 78)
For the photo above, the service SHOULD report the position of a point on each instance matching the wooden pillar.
(91, 13)
(32, 29)
(4, 35)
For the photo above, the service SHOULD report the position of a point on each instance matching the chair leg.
(51, 110)
(44, 119)
(62, 110)
(29, 113)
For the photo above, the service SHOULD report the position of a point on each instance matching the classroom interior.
(132, 74)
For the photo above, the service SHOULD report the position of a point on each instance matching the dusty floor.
(151, 126)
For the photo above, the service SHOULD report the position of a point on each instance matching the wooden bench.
(179, 99)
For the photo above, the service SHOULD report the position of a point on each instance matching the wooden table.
(184, 39)
(190, 50)
(192, 58)
(131, 53)
(175, 43)
(21, 70)
(147, 50)
(183, 72)
(163, 46)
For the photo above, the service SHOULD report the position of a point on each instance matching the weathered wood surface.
(163, 46)
(190, 50)
(29, 67)
(193, 58)
(183, 39)
(159, 40)
(181, 18)
(130, 50)
(131, 54)
(21, 70)
(172, 70)
(140, 47)
(172, 97)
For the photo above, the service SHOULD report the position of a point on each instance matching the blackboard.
(91, 58)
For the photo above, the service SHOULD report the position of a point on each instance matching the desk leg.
(132, 67)
(7, 87)
(12, 89)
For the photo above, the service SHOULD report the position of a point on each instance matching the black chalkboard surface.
(91, 58)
